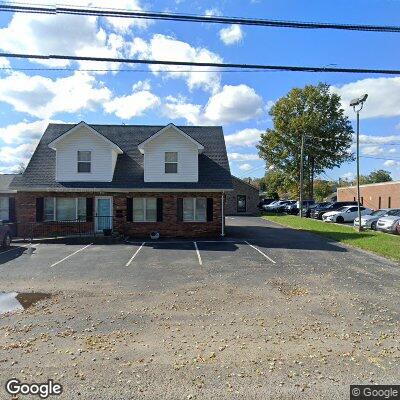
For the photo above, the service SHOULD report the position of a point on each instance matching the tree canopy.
(316, 113)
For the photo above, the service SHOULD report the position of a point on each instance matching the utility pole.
(301, 176)
(358, 103)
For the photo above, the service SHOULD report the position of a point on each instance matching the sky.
(239, 101)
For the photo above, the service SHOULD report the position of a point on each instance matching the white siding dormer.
(103, 155)
(170, 141)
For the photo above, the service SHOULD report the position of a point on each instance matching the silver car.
(370, 221)
(389, 223)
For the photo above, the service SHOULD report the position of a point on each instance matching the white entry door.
(104, 213)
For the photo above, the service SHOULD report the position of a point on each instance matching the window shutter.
(39, 209)
(210, 207)
(179, 210)
(159, 209)
(129, 209)
(11, 209)
(89, 209)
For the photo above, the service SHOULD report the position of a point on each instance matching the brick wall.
(373, 196)
(242, 188)
(169, 227)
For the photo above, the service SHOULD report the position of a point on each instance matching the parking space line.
(135, 254)
(255, 248)
(75, 252)
(198, 253)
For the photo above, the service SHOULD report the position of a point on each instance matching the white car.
(344, 214)
(389, 223)
(370, 221)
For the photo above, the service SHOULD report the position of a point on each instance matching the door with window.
(104, 213)
(241, 203)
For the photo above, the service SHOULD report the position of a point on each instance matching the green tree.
(323, 188)
(316, 113)
(379, 175)
(278, 185)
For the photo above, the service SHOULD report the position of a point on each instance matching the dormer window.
(171, 162)
(84, 161)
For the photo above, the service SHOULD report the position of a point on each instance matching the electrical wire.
(203, 64)
(139, 14)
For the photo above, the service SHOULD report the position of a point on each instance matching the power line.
(204, 64)
(102, 12)
(381, 158)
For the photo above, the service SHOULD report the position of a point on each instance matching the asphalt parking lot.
(265, 312)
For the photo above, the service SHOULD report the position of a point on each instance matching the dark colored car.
(317, 212)
(5, 236)
(264, 202)
(308, 210)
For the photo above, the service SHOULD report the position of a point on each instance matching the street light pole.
(360, 103)
(358, 171)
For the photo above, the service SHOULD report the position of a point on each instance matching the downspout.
(222, 215)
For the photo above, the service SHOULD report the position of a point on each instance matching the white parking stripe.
(135, 254)
(75, 252)
(255, 248)
(198, 253)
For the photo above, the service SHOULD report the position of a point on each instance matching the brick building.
(243, 200)
(132, 179)
(374, 195)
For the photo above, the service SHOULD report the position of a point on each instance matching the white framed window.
(4, 209)
(64, 209)
(194, 209)
(144, 209)
(84, 161)
(171, 162)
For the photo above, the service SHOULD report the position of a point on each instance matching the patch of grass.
(386, 245)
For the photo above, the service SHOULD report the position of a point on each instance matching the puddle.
(19, 301)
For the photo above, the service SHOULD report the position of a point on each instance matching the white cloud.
(161, 47)
(372, 150)
(391, 163)
(246, 137)
(393, 150)
(134, 105)
(44, 97)
(383, 96)
(24, 132)
(370, 139)
(12, 156)
(4, 63)
(243, 157)
(245, 167)
(231, 35)
(232, 104)
(212, 12)
(348, 176)
(59, 34)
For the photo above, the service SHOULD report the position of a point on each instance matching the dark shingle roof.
(5, 181)
(214, 170)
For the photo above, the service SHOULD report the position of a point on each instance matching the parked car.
(308, 210)
(344, 214)
(288, 207)
(294, 208)
(264, 202)
(319, 211)
(5, 235)
(370, 221)
(276, 205)
(389, 223)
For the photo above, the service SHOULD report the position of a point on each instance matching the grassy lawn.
(380, 243)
